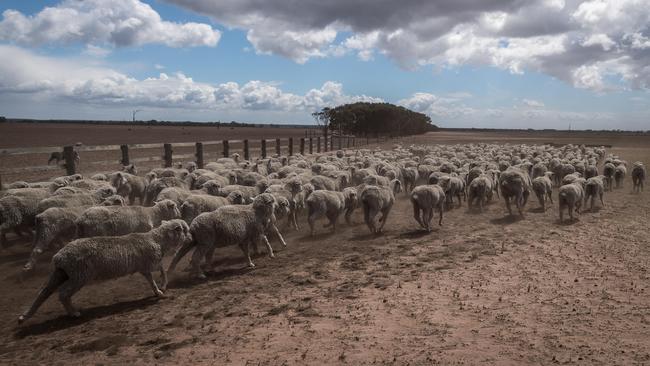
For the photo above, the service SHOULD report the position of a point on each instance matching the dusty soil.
(482, 289)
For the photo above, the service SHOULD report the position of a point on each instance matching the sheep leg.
(57, 278)
(441, 210)
(164, 279)
(416, 215)
(550, 196)
(601, 199)
(367, 218)
(152, 283)
(293, 218)
(571, 208)
(268, 246)
(507, 199)
(277, 232)
(180, 253)
(245, 248)
(459, 199)
(195, 262)
(518, 202)
(427, 216)
(67, 290)
(311, 219)
(561, 212)
(384, 217)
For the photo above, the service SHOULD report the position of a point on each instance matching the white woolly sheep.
(80, 199)
(619, 175)
(104, 258)
(638, 176)
(515, 184)
(571, 196)
(375, 200)
(331, 204)
(228, 225)
(480, 189)
(116, 220)
(594, 187)
(129, 186)
(543, 188)
(425, 199)
(18, 211)
(197, 204)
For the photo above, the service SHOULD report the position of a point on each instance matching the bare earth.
(482, 289)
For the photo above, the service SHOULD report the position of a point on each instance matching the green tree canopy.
(373, 118)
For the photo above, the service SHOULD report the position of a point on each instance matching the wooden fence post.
(68, 156)
(348, 142)
(311, 145)
(226, 149)
(167, 155)
(326, 147)
(199, 155)
(247, 153)
(318, 144)
(290, 146)
(278, 150)
(302, 146)
(125, 154)
(263, 148)
(1, 187)
(340, 138)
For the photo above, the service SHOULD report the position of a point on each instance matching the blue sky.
(487, 64)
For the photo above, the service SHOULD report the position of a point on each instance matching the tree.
(373, 118)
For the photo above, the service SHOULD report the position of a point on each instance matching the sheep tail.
(57, 278)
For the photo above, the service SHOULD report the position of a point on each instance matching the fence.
(104, 158)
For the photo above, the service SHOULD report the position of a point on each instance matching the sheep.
(638, 176)
(58, 225)
(247, 192)
(71, 200)
(130, 169)
(515, 184)
(228, 225)
(18, 211)
(410, 175)
(619, 175)
(289, 191)
(375, 200)
(116, 220)
(608, 171)
(538, 170)
(425, 199)
(571, 196)
(89, 184)
(129, 186)
(453, 186)
(331, 204)
(594, 187)
(321, 182)
(197, 204)
(570, 178)
(591, 171)
(480, 190)
(158, 184)
(104, 258)
(543, 188)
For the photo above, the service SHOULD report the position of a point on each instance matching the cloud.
(69, 79)
(533, 103)
(103, 22)
(585, 43)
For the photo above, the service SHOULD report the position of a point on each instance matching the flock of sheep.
(111, 225)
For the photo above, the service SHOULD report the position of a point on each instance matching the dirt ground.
(482, 289)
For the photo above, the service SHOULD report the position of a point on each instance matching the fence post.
(302, 146)
(199, 155)
(167, 155)
(247, 153)
(68, 156)
(311, 145)
(348, 142)
(326, 147)
(318, 144)
(354, 141)
(1, 187)
(340, 138)
(290, 146)
(125, 154)
(278, 150)
(263, 148)
(226, 149)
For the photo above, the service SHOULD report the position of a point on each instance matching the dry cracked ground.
(482, 289)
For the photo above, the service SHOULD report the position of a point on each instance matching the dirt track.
(483, 288)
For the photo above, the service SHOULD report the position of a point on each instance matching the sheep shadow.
(366, 236)
(506, 220)
(568, 222)
(537, 210)
(188, 281)
(417, 233)
(64, 321)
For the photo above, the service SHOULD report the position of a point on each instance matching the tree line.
(370, 119)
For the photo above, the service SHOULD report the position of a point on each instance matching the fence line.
(123, 153)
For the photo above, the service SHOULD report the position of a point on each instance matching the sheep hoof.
(21, 319)
(201, 276)
(28, 267)
(271, 255)
(251, 265)
(159, 293)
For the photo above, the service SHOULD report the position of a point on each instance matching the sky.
(465, 63)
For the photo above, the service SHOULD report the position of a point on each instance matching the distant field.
(59, 134)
